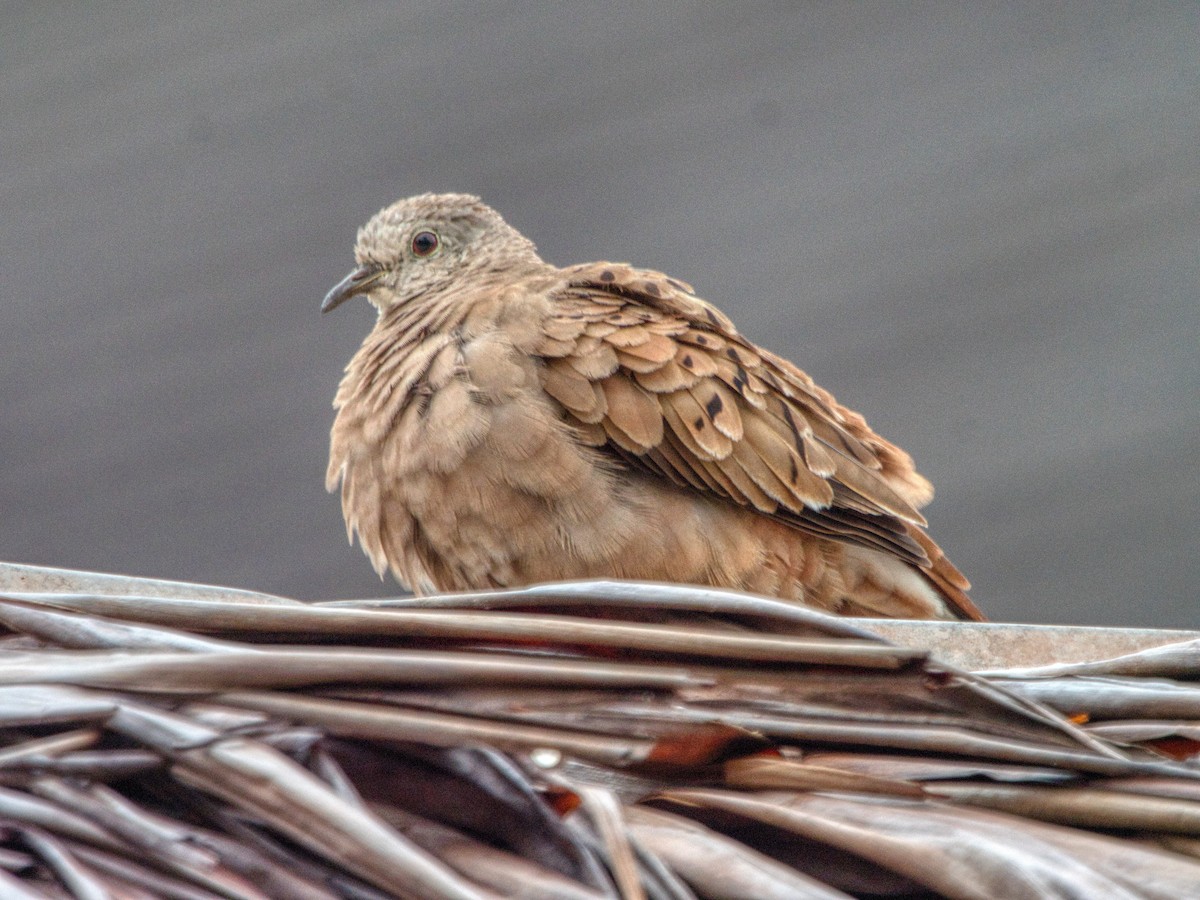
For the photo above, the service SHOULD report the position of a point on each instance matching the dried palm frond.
(581, 740)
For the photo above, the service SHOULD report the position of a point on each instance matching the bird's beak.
(357, 282)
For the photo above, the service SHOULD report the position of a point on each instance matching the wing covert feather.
(681, 394)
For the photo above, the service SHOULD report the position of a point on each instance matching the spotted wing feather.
(680, 393)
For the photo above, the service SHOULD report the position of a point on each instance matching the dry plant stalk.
(558, 742)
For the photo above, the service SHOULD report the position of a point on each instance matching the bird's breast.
(457, 469)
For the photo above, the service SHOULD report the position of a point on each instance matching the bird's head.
(425, 244)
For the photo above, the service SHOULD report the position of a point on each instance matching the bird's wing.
(645, 368)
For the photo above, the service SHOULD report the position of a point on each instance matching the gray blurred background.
(976, 223)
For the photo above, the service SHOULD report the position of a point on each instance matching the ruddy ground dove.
(508, 422)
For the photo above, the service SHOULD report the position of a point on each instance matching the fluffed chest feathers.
(455, 464)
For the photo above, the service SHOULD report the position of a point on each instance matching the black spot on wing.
(791, 423)
(714, 406)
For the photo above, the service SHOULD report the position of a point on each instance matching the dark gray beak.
(357, 282)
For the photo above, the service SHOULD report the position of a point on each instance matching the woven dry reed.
(572, 741)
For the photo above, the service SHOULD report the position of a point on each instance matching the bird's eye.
(424, 243)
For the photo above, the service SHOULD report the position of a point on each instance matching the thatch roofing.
(577, 741)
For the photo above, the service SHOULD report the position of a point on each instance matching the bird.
(509, 422)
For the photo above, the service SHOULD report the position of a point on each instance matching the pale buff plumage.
(509, 422)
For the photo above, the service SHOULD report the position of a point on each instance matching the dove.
(509, 422)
